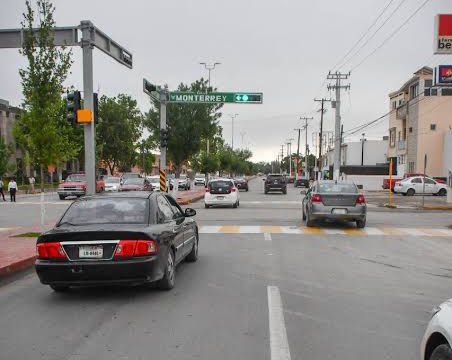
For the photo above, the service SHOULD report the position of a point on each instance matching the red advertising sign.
(444, 74)
(443, 34)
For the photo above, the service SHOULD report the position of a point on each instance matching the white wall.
(369, 182)
(374, 152)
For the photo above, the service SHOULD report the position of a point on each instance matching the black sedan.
(241, 183)
(126, 238)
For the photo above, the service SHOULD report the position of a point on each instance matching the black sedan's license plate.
(90, 252)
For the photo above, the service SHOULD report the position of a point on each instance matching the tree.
(205, 163)
(39, 130)
(189, 125)
(147, 158)
(118, 132)
(5, 154)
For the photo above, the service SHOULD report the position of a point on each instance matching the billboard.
(443, 34)
(445, 74)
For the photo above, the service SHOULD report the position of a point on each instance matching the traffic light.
(72, 105)
(248, 98)
(164, 137)
(95, 108)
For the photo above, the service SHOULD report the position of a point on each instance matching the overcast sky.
(281, 48)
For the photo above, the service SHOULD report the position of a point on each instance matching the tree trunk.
(42, 177)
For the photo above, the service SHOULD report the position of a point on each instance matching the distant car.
(334, 200)
(112, 183)
(117, 239)
(290, 179)
(184, 183)
(200, 180)
(437, 340)
(415, 185)
(135, 184)
(275, 182)
(75, 185)
(221, 192)
(154, 182)
(301, 181)
(241, 184)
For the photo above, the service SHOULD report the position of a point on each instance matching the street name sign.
(215, 97)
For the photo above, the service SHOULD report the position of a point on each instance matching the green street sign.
(216, 97)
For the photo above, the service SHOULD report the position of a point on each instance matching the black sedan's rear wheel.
(309, 222)
(302, 210)
(169, 279)
(441, 352)
(361, 224)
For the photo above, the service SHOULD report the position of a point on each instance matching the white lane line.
(245, 229)
(413, 232)
(205, 229)
(279, 346)
(334, 231)
(373, 231)
(267, 237)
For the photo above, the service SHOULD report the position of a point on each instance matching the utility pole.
(338, 76)
(232, 136)
(242, 134)
(289, 154)
(298, 149)
(305, 127)
(282, 158)
(363, 139)
(322, 111)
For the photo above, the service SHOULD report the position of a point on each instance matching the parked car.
(275, 182)
(437, 340)
(75, 185)
(301, 181)
(128, 175)
(112, 183)
(123, 238)
(334, 200)
(241, 183)
(154, 182)
(395, 180)
(135, 184)
(184, 183)
(221, 192)
(200, 180)
(415, 185)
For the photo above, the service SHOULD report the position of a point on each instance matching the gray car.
(334, 200)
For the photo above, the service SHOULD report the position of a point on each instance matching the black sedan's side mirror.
(190, 212)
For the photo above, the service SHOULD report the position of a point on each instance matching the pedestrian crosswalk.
(302, 230)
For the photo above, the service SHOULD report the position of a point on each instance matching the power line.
(392, 34)
(375, 32)
(363, 35)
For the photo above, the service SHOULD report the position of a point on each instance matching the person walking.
(32, 181)
(12, 188)
(1, 189)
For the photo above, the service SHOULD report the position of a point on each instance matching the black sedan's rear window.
(275, 177)
(107, 211)
(336, 188)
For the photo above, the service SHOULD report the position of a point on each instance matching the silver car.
(334, 200)
(437, 340)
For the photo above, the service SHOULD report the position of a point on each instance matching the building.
(419, 118)
(8, 116)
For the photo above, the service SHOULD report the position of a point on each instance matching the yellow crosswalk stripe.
(229, 229)
(312, 230)
(359, 232)
(271, 229)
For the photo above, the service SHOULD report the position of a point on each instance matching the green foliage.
(42, 129)
(205, 163)
(189, 125)
(118, 132)
(5, 153)
(147, 158)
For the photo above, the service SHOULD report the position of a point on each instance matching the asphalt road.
(250, 296)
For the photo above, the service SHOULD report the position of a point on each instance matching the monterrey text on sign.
(213, 98)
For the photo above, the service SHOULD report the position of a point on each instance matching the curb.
(182, 201)
(16, 267)
(437, 207)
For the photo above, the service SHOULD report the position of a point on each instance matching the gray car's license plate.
(340, 211)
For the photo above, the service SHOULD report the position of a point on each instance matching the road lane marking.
(271, 229)
(250, 230)
(291, 230)
(393, 231)
(413, 232)
(267, 237)
(229, 229)
(206, 229)
(279, 346)
(374, 231)
(354, 232)
(334, 231)
(312, 230)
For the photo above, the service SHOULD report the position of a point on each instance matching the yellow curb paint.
(393, 231)
(312, 230)
(229, 229)
(271, 229)
(355, 231)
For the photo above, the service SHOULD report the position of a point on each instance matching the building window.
(414, 90)
(400, 102)
(7, 114)
(410, 129)
(433, 92)
(427, 92)
(432, 127)
(392, 137)
(428, 83)
(411, 167)
(394, 105)
(446, 92)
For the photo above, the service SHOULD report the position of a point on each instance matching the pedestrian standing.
(32, 181)
(12, 188)
(1, 189)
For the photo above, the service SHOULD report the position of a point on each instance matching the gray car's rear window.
(107, 211)
(336, 188)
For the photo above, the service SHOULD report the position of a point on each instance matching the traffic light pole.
(89, 130)
(163, 95)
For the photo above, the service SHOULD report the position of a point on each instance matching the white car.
(112, 183)
(221, 192)
(183, 183)
(155, 182)
(200, 180)
(415, 185)
(437, 340)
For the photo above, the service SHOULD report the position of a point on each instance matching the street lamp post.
(232, 136)
(209, 68)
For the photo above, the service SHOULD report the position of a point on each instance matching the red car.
(135, 184)
(75, 185)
